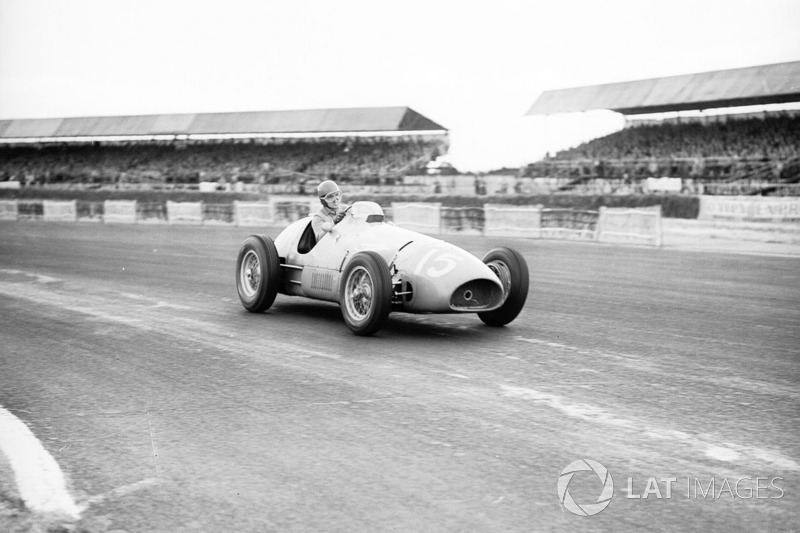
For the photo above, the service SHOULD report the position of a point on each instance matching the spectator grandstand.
(271, 151)
(372, 149)
(755, 153)
(182, 163)
(734, 154)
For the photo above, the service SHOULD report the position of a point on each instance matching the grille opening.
(476, 294)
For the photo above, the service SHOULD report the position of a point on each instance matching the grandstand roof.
(376, 120)
(766, 84)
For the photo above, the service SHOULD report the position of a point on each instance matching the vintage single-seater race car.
(371, 267)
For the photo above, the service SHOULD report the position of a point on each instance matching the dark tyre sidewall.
(378, 271)
(269, 273)
(518, 269)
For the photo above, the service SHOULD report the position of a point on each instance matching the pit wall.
(618, 225)
(611, 225)
(750, 208)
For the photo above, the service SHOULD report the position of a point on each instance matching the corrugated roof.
(98, 126)
(765, 84)
(40, 127)
(314, 121)
(309, 121)
(171, 124)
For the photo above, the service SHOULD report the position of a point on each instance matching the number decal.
(442, 264)
(449, 263)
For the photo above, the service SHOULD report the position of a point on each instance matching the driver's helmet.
(329, 194)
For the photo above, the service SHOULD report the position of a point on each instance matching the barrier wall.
(119, 211)
(571, 224)
(216, 214)
(184, 212)
(151, 213)
(8, 210)
(291, 208)
(750, 208)
(60, 211)
(421, 217)
(512, 221)
(630, 226)
(89, 211)
(253, 214)
(30, 210)
(464, 220)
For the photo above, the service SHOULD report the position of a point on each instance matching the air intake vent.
(475, 295)
(322, 281)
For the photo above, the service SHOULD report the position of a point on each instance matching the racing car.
(371, 267)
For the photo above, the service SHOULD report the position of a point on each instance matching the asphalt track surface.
(170, 408)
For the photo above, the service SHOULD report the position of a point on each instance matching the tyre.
(512, 269)
(258, 273)
(366, 293)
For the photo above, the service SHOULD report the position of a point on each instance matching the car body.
(372, 267)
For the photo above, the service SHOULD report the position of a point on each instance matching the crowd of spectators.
(721, 155)
(766, 148)
(248, 161)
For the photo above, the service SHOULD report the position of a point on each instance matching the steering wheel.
(341, 215)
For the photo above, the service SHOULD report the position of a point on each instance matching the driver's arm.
(318, 225)
(340, 215)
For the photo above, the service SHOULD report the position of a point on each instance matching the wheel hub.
(359, 297)
(503, 273)
(250, 274)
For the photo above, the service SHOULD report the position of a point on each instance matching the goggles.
(332, 196)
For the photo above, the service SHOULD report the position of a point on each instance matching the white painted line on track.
(586, 412)
(39, 278)
(729, 452)
(123, 491)
(39, 479)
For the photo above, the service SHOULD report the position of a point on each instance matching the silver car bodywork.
(429, 275)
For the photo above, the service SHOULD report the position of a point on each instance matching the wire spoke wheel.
(250, 274)
(258, 273)
(365, 293)
(511, 270)
(359, 293)
(503, 273)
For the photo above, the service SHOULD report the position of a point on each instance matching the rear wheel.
(512, 271)
(366, 293)
(258, 273)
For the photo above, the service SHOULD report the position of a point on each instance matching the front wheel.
(511, 268)
(258, 273)
(366, 293)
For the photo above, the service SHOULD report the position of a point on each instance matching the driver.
(330, 197)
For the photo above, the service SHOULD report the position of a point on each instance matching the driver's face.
(333, 199)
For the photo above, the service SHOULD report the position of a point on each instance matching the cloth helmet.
(329, 194)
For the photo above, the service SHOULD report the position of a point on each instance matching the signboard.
(421, 217)
(766, 208)
(631, 226)
(512, 220)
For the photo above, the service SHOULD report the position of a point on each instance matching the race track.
(169, 408)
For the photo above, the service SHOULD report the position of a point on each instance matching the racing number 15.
(442, 264)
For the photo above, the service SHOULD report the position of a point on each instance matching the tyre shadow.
(397, 327)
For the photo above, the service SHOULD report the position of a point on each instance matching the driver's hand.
(338, 218)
